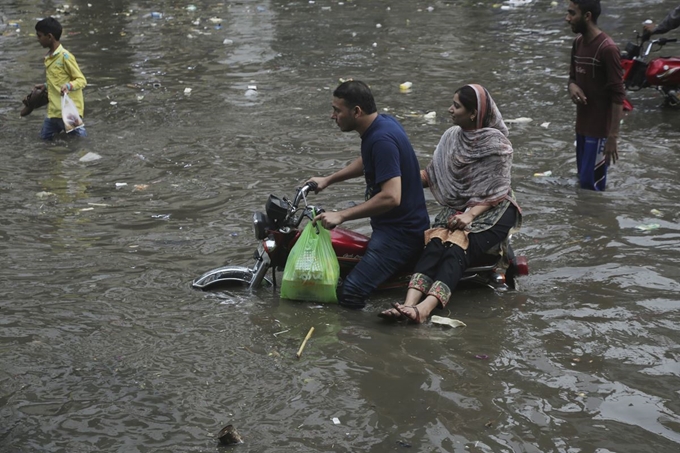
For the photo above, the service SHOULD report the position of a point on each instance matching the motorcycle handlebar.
(303, 191)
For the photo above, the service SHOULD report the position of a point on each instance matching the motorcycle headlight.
(260, 223)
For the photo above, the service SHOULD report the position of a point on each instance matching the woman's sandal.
(391, 314)
(399, 308)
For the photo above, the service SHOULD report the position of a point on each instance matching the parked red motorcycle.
(661, 73)
(278, 228)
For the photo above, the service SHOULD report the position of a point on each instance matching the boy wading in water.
(63, 76)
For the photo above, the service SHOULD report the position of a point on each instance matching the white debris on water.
(90, 157)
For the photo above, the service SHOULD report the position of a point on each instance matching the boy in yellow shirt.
(63, 76)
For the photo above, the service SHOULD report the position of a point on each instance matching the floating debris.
(405, 87)
(520, 120)
(229, 436)
(543, 174)
(442, 321)
(336, 421)
(90, 157)
(656, 212)
(648, 227)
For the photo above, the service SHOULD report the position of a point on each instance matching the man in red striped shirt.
(596, 87)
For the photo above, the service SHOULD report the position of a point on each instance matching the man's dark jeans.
(385, 256)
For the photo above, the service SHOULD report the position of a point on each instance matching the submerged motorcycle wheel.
(225, 277)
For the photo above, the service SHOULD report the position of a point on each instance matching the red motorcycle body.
(664, 72)
(661, 73)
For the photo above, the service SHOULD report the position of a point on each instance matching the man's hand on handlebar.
(320, 182)
(329, 220)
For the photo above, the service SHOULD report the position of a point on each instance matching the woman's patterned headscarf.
(472, 167)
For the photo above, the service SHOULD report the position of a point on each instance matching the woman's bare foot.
(391, 314)
(411, 312)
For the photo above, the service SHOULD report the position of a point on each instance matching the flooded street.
(105, 347)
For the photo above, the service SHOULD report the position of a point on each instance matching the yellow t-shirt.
(61, 68)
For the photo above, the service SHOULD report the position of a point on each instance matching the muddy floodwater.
(105, 347)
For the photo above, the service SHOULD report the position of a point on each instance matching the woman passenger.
(470, 177)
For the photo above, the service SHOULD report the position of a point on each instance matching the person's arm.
(576, 94)
(424, 179)
(354, 170)
(387, 199)
(462, 221)
(617, 91)
(78, 81)
(671, 22)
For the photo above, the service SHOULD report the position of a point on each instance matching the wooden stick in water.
(304, 342)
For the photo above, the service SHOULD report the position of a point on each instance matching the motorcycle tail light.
(522, 265)
(260, 224)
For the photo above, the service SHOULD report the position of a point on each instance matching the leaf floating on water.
(442, 321)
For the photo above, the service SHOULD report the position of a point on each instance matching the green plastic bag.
(312, 269)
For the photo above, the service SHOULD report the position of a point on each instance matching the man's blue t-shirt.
(386, 153)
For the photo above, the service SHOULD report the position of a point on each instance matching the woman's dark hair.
(354, 93)
(589, 6)
(468, 99)
(49, 25)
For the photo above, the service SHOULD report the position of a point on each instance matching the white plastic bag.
(70, 115)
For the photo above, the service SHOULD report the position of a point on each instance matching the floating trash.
(648, 227)
(336, 421)
(520, 120)
(405, 87)
(229, 436)
(121, 184)
(227, 42)
(156, 15)
(191, 8)
(545, 125)
(543, 174)
(90, 157)
(430, 115)
(442, 321)
(187, 90)
(656, 212)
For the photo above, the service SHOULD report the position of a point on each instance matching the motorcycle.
(278, 228)
(662, 73)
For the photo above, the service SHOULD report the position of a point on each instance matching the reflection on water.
(105, 347)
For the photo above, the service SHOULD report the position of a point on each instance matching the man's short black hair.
(589, 6)
(354, 93)
(49, 25)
